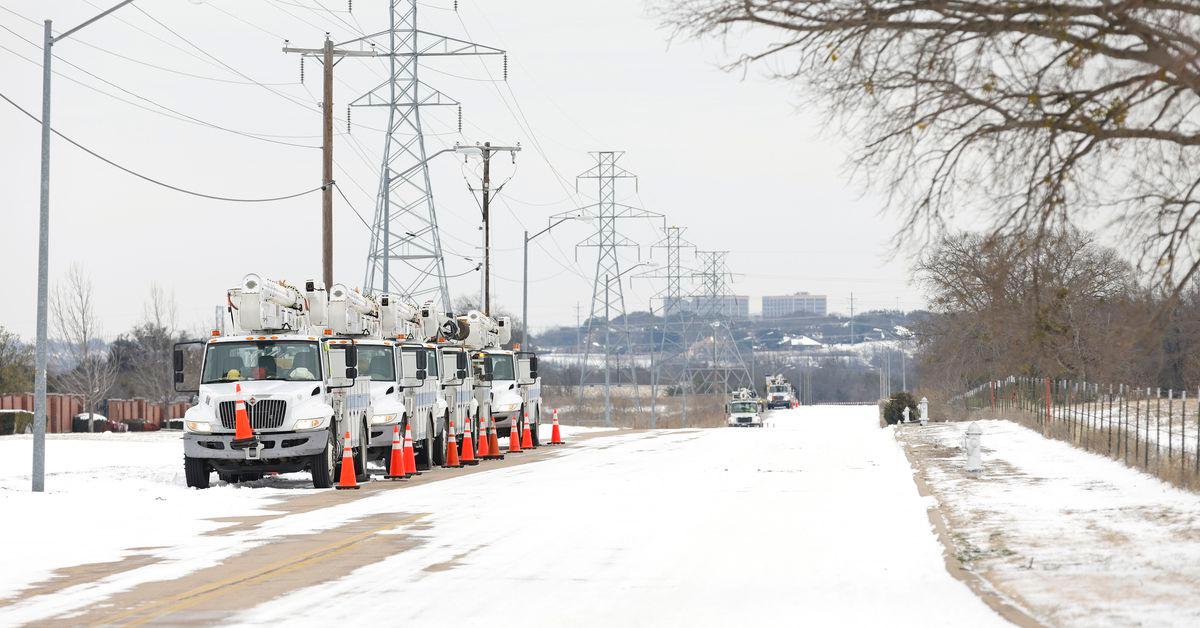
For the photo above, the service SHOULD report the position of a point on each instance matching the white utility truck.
(780, 393)
(300, 385)
(391, 355)
(515, 390)
(743, 409)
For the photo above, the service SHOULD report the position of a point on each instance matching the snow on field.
(109, 495)
(815, 521)
(1075, 538)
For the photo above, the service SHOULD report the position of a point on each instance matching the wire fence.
(1152, 429)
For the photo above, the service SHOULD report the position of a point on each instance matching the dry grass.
(627, 411)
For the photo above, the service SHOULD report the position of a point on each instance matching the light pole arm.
(87, 23)
(525, 277)
(552, 225)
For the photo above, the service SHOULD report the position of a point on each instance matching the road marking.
(199, 594)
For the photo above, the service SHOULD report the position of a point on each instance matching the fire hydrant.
(906, 413)
(971, 444)
(923, 410)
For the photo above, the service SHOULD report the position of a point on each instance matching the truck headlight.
(308, 424)
(201, 427)
(380, 419)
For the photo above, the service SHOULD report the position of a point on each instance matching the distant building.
(730, 306)
(801, 303)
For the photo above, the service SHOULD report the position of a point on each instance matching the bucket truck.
(300, 384)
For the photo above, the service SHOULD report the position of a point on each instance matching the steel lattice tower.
(669, 358)
(717, 365)
(405, 226)
(608, 294)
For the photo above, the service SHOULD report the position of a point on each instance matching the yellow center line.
(199, 594)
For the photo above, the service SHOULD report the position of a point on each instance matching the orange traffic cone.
(514, 436)
(396, 468)
(452, 450)
(468, 448)
(410, 456)
(493, 441)
(243, 436)
(485, 449)
(555, 436)
(527, 435)
(347, 479)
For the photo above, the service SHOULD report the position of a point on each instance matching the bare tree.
(87, 373)
(1029, 111)
(150, 353)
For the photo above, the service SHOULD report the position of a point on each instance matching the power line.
(150, 179)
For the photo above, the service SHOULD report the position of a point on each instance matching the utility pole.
(41, 355)
(851, 318)
(327, 54)
(485, 152)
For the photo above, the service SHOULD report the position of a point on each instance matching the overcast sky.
(732, 159)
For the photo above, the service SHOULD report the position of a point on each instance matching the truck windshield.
(502, 367)
(291, 361)
(779, 389)
(742, 407)
(377, 363)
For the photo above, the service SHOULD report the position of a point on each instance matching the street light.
(525, 278)
(43, 278)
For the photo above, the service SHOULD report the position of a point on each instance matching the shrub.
(893, 412)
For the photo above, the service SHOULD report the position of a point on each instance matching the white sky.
(731, 159)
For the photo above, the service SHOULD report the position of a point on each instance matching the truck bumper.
(275, 445)
(381, 435)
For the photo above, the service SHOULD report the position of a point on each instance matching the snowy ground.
(1072, 537)
(814, 520)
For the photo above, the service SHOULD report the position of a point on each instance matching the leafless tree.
(1031, 112)
(1067, 307)
(153, 340)
(87, 373)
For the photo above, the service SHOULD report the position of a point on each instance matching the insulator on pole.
(460, 118)
(349, 6)
(456, 6)
(347, 118)
(506, 67)
(301, 69)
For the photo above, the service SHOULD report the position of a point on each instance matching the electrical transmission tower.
(718, 367)
(669, 354)
(405, 226)
(608, 294)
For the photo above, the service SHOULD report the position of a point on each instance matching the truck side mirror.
(422, 361)
(351, 359)
(486, 374)
(460, 366)
(533, 367)
(179, 364)
(351, 372)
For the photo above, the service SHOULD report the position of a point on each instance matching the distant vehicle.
(743, 413)
(780, 393)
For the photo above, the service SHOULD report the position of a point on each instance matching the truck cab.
(301, 389)
(743, 413)
(780, 393)
(458, 384)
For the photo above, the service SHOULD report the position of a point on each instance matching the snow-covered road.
(814, 520)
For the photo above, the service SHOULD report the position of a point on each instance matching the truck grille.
(267, 414)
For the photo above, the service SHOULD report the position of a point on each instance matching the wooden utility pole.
(485, 152)
(329, 57)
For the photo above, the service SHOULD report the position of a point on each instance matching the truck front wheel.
(323, 467)
(196, 472)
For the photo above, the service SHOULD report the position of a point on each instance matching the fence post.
(1170, 425)
(1137, 422)
(1157, 430)
(1108, 419)
(1183, 436)
(1046, 424)
(1146, 446)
